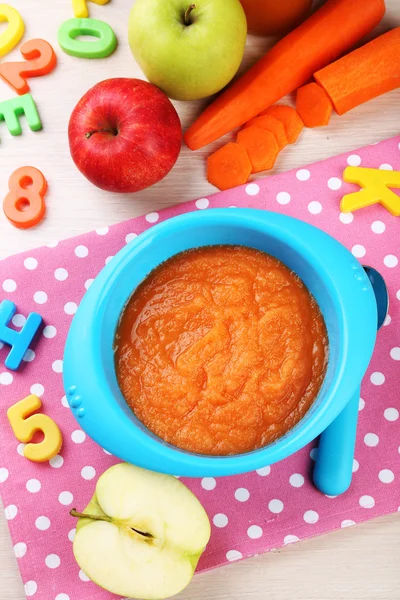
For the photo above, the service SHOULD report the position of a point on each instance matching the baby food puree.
(221, 350)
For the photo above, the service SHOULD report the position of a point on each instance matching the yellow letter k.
(375, 184)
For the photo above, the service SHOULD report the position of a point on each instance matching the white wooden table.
(359, 563)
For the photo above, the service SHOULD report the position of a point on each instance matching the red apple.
(124, 135)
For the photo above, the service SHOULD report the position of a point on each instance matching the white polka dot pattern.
(254, 532)
(152, 217)
(30, 588)
(18, 320)
(81, 251)
(30, 263)
(37, 389)
(367, 501)
(290, 539)
(250, 513)
(252, 189)
(52, 561)
(6, 378)
(202, 203)
(42, 523)
(208, 483)
(334, 183)
(283, 198)
(242, 494)
(20, 549)
(233, 555)
(296, 480)
(303, 175)
(40, 297)
(33, 486)
(378, 227)
(220, 520)
(61, 274)
(315, 207)
(3, 474)
(354, 160)
(49, 331)
(358, 251)
(275, 506)
(386, 476)
(346, 218)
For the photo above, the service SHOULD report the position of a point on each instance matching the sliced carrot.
(337, 26)
(229, 166)
(273, 125)
(313, 105)
(363, 74)
(290, 119)
(261, 146)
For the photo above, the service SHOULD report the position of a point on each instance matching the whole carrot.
(334, 28)
(365, 73)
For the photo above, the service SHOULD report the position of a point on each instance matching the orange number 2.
(40, 59)
(24, 205)
(25, 424)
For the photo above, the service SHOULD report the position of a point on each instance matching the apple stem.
(78, 515)
(187, 19)
(90, 133)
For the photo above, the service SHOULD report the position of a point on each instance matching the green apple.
(141, 535)
(190, 51)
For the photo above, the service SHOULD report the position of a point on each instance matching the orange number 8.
(24, 205)
(25, 426)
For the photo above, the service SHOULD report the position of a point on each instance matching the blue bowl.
(335, 278)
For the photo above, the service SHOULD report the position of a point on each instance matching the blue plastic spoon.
(334, 463)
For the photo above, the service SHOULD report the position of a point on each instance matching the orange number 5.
(25, 424)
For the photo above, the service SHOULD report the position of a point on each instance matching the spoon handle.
(333, 469)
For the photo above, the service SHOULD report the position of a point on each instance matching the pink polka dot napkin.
(250, 513)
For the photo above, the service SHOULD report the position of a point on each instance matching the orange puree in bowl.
(221, 350)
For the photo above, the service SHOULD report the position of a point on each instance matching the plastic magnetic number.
(15, 30)
(375, 184)
(11, 110)
(24, 204)
(19, 341)
(40, 60)
(101, 48)
(25, 424)
(80, 7)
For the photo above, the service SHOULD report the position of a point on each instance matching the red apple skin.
(124, 135)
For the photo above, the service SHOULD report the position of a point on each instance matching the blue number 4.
(18, 340)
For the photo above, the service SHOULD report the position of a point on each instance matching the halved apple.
(141, 535)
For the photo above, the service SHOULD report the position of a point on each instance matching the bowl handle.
(333, 469)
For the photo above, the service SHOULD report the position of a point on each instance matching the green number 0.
(71, 29)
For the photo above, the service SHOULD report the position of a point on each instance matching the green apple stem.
(90, 133)
(78, 515)
(187, 19)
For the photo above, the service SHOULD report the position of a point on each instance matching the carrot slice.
(290, 119)
(261, 146)
(229, 166)
(337, 26)
(363, 74)
(273, 125)
(313, 105)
